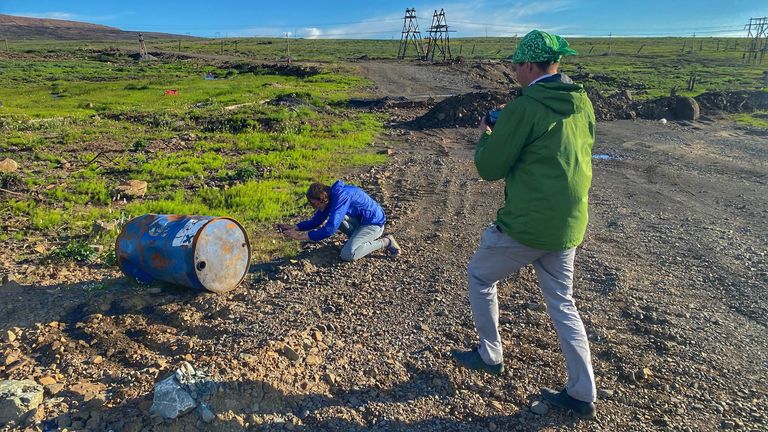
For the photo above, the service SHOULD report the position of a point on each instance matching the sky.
(361, 19)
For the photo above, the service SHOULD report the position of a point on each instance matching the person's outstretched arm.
(337, 209)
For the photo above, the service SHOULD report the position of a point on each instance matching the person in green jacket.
(541, 145)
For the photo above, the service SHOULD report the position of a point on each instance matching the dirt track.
(672, 278)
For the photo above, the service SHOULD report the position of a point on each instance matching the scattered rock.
(206, 413)
(643, 374)
(539, 408)
(101, 227)
(629, 376)
(18, 398)
(47, 380)
(8, 165)
(171, 399)
(290, 353)
(132, 189)
(9, 336)
(88, 391)
(54, 389)
(604, 393)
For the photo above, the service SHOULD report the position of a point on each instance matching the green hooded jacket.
(542, 146)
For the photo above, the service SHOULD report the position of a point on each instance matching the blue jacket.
(345, 200)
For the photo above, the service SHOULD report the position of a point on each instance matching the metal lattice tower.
(411, 34)
(757, 32)
(438, 38)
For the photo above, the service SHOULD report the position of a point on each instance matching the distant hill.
(16, 27)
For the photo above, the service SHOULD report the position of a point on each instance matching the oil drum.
(202, 252)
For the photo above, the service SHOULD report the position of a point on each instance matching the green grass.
(755, 119)
(80, 127)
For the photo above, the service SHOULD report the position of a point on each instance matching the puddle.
(603, 156)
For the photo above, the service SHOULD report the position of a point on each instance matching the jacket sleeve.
(335, 218)
(313, 222)
(497, 151)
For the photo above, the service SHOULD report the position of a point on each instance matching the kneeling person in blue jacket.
(348, 209)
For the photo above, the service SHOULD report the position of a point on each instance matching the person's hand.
(296, 235)
(281, 227)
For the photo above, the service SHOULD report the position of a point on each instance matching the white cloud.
(476, 18)
(50, 15)
(465, 19)
(312, 33)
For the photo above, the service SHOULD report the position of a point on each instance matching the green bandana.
(538, 46)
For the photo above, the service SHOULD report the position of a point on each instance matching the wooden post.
(460, 46)
(640, 49)
(221, 50)
(701, 44)
(718, 45)
(473, 50)
(179, 45)
(6, 45)
(684, 41)
(590, 49)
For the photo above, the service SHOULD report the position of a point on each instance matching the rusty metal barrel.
(202, 252)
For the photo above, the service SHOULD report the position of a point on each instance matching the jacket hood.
(558, 93)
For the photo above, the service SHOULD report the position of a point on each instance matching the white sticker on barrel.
(185, 235)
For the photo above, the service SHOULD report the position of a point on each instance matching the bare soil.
(671, 282)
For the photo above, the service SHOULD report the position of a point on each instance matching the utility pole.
(438, 37)
(410, 34)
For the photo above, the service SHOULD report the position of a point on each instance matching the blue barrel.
(202, 252)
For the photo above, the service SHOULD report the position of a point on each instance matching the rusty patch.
(159, 261)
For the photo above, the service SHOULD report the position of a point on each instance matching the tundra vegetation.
(226, 137)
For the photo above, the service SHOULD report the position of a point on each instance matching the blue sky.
(384, 19)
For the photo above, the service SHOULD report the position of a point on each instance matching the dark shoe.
(393, 248)
(561, 399)
(472, 360)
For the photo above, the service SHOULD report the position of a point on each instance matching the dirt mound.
(461, 111)
(733, 101)
(285, 69)
(387, 102)
(467, 109)
(500, 73)
(617, 106)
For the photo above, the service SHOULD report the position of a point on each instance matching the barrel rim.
(247, 245)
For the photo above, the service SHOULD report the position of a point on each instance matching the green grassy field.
(244, 144)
